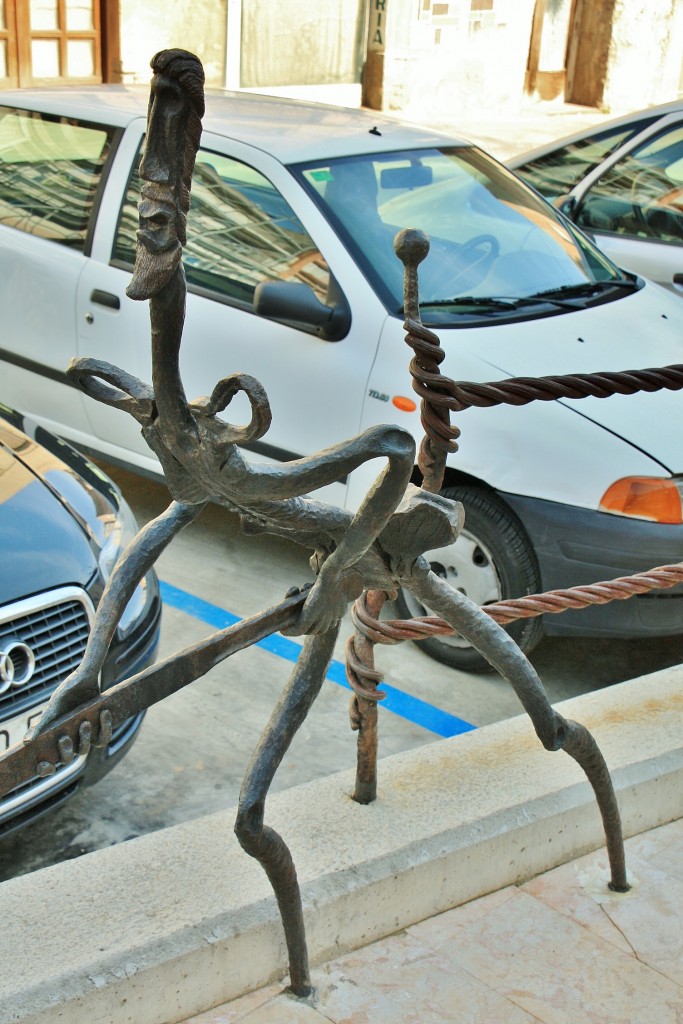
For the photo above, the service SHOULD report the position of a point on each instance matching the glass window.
(240, 232)
(44, 15)
(642, 194)
(80, 58)
(494, 243)
(557, 173)
(45, 58)
(79, 15)
(50, 170)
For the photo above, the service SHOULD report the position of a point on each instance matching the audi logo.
(17, 664)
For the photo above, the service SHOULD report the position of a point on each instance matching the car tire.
(494, 561)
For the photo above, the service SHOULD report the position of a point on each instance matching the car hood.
(643, 329)
(42, 546)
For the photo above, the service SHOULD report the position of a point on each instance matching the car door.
(51, 175)
(634, 206)
(249, 222)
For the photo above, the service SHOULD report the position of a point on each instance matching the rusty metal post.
(364, 679)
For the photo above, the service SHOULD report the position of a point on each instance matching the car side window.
(50, 172)
(240, 232)
(556, 173)
(641, 196)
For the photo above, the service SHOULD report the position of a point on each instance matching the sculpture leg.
(580, 744)
(257, 839)
(554, 732)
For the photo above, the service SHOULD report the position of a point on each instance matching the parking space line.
(414, 710)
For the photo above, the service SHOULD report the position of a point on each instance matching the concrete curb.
(154, 930)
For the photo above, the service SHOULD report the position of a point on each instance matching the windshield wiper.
(588, 288)
(497, 303)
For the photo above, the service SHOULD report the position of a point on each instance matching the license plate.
(14, 730)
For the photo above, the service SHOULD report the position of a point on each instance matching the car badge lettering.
(378, 395)
(17, 664)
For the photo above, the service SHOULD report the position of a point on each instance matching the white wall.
(451, 57)
(152, 25)
(644, 64)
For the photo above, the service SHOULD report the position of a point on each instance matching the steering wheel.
(644, 211)
(449, 270)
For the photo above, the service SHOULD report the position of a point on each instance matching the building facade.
(416, 56)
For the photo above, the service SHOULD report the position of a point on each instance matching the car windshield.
(494, 244)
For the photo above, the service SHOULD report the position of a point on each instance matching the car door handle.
(105, 299)
(678, 280)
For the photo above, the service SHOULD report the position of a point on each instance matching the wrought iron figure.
(379, 548)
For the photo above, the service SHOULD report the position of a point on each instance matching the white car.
(622, 181)
(292, 278)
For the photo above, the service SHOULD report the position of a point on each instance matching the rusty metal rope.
(435, 390)
(442, 395)
(395, 631)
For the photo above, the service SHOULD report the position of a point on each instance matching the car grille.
(55, 626)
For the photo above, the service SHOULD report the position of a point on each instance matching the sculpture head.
(176, 106)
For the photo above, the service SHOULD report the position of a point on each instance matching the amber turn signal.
(404, 404)
(644, 497)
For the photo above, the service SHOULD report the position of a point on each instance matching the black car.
(63, 525)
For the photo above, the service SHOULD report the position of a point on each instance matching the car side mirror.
(295, 303)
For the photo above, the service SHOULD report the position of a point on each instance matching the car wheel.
(492, 560)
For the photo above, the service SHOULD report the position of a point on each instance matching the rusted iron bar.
(65, 736)
(411, 247)
(364, 678)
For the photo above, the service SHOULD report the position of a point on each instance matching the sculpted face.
(159, 248)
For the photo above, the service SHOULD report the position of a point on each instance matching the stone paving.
(560, 949)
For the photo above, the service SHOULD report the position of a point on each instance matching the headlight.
(116, 531)
(110, 523)
(657, 499)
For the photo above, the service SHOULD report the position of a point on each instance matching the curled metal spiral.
(361, 677)
(395, 631)
(434, 389)
(440, 437)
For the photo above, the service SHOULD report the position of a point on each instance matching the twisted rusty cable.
(434, 389)
(361, 677)
(395, 631)
(445, 395)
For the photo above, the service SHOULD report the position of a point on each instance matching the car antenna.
(375, 131)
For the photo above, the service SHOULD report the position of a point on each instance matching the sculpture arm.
(335, 586)
(141, 554)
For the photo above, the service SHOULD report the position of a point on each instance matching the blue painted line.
(403, 704)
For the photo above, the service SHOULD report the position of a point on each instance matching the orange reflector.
(404, 404)
(645, 497)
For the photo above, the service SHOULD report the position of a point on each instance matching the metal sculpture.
(375, 551)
